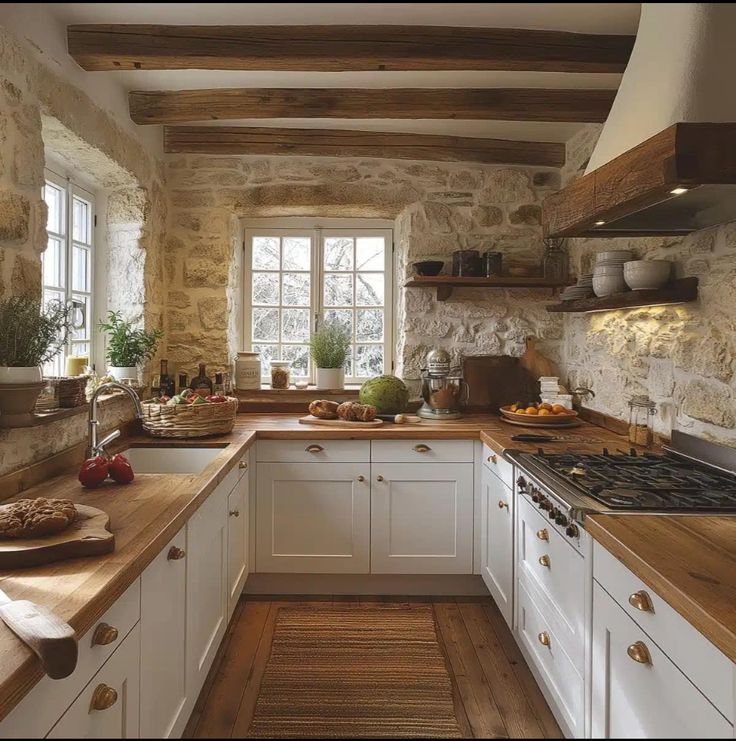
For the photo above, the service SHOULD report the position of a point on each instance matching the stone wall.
(437, 208)
(681, 356)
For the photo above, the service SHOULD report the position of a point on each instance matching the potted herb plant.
(127, 346)
(329, 348)
(31, 334)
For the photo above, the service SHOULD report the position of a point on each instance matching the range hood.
(665, 162)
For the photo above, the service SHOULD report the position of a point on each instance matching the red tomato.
(93, 472)
(216, 398)
(120, 469)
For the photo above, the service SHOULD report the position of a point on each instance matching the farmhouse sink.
(174, 459)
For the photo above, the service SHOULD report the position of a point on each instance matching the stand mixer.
(443, 389)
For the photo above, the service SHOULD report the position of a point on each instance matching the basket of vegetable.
(189, 414)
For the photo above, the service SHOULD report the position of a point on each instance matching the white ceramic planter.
(330, 378)
(20, 375)
(121, 372)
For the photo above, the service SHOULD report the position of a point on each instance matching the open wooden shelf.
(445, 283)
(680, 291)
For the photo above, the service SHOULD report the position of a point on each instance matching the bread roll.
(352, 411)
(324, 409)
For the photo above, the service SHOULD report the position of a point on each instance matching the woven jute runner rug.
(365, 672)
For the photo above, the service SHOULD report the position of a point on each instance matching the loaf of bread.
(33, 518)
(324, 409)
(352, 411)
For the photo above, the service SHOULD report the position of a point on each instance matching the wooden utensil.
(535, 362)
(46, 634)
(309, 420)
(88, 535)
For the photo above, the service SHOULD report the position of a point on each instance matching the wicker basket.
(185, 420)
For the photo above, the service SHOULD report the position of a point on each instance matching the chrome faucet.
(97, 447)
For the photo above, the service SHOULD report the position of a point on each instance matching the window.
(68, 261)
(296, 279)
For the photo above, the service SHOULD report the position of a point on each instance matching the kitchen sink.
(174, 459)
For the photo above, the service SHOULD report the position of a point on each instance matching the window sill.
(54, 415)
(292, 400)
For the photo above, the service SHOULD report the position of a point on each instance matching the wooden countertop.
(688, 560)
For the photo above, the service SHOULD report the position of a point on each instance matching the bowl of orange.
(539, 415)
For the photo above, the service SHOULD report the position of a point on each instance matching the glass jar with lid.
(554, 261)
(280, 374)
(641, 420)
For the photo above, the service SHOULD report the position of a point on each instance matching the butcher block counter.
(688, 560)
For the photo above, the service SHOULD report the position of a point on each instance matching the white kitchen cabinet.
(313, 518)
(497, 541)
(422, 518)
(637, 692)
(108, 706)
(238, 505)
(206, 614)
(163, 637)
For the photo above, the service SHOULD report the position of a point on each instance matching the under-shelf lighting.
(679, 190)
(600, 223)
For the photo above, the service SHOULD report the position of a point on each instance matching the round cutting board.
(88, 535)
(570, 422)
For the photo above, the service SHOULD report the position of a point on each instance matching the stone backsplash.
(684, 356)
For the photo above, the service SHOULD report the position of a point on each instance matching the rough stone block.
(530, 215)
(204, 273)
(15, 210)
(709, 402)
(213, 313)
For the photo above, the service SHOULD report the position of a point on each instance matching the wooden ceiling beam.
(341, 48)
(500, 104)
(342, 143)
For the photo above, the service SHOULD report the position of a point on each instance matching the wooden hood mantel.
(681, 180)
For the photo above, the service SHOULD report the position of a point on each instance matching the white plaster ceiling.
(604, 18)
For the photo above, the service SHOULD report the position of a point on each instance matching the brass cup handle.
(103, 697)
(639, 653)
(314, 449)
(176, 554)
(104, 635)
(502, 504)
(543, 534)
(361, 479)
(379, 478)
(234, 513)
(544, 561)
(422, 448)
(641, 601)
(543, 638)
(243, 466)
(492, 458)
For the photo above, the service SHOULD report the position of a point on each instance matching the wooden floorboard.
(494, 692)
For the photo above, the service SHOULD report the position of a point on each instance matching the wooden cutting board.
(89, 535)
(536, 363)
(309, 420)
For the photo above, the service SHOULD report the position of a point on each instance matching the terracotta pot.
(19, 392)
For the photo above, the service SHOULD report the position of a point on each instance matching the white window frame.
(316, 232)
(72, 189)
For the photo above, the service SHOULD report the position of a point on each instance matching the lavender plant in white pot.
(329, 348)
(31, 334)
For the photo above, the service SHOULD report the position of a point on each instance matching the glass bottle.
(201, 383)
(166, 382)
(554, 261)
(641, 420)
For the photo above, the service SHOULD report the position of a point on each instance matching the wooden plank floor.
(495, 694)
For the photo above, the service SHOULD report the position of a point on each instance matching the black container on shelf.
(467, 263)
(492, 263)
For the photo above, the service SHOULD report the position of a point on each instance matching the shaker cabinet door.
(237, 542)
(422, 518)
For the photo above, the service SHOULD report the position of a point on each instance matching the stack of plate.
(582, 289)
(608, 273)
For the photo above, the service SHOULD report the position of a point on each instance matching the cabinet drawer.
(95, 714)
(690, 650)
(497, 464)
(313, 451)
(420, 451)
(45, 703)
(558, 571)
(637, 691)
(557, 670)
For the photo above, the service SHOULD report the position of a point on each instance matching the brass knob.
(361, 479)
(544, 560)
(639, 652)
(176, 554)
(492, 458)
(641, 601)
(543, 638)
(234, 513)
(314, 449)
(543, 534)
(422, 448)
(103, 697)
(104, 635)
(243, 466)
(379, 478)
(502, 504)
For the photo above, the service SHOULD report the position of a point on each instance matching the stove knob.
(536, 495)
(521, 483)
(544, 503)
(560, 519)
(552, 513)
(572, 531)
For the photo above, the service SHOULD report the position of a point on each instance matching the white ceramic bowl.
(606, 285)
(643, 275)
